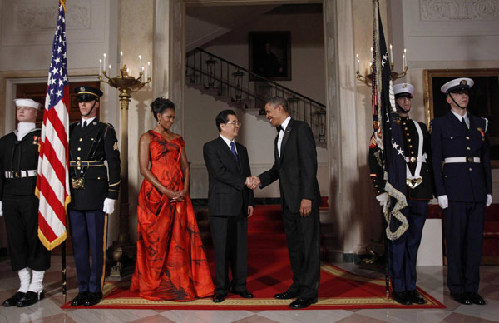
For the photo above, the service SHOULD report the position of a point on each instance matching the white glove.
(443, 201)
(109, 205)
(382, 198)
(383, 201)
(489, 200)
(2, 214)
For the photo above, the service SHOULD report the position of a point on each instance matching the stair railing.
(248, 90)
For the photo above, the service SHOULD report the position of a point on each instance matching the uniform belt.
(20, 173)
(75, 163)
(414, 159)
(462, 160)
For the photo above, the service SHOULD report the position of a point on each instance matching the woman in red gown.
(171, 261)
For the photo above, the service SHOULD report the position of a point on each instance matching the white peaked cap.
(402, 88)
(461, 83)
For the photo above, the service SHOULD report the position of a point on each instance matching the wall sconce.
(368, 78)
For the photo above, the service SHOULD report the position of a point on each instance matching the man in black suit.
(93, 193)
(295, 166)
(230, 203)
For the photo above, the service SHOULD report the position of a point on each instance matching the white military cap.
(403, 89)
(27, 103)
(459, 84)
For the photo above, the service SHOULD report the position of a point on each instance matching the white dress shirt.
(227, 141)
(284, 125)
(88, 121)
(465, 117)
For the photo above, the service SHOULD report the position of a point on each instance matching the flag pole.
(64, 280)
(377, 124)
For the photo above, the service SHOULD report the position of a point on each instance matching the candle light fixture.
(126, 84)
(367, 77)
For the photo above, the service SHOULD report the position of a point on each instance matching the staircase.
(242, 89)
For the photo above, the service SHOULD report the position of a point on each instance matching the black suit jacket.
(296, 168)
(227, 193)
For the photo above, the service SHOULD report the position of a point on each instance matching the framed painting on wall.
(270, 55)
(484, 99)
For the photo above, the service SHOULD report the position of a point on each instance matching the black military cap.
(87, 93)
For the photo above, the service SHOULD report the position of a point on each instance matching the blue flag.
(389, 132)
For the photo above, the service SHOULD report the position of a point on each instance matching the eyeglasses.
(235, 123)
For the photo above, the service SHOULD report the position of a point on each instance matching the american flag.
(52, 186)
(386, 117)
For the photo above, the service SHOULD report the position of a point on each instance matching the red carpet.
(270, 273)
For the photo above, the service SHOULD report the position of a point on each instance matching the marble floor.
(431, 279)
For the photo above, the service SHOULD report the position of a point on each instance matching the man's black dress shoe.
(401, 298)
(218, 298)
(461, 298)
(244, 294)
(12, 301)
(80, 299)
(475, 298)
(289, 294)
(30, 298)
(93, 298)
(415, 298)
(302, 303)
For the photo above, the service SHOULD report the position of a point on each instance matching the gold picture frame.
(484, 99)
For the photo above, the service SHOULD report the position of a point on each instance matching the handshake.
(252, 182)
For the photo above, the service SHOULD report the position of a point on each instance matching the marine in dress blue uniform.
(403, 251)
(93, 193)
(19, 204)
(463, 183)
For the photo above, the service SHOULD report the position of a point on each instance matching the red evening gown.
(171, 261)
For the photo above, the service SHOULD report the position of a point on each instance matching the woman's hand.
(172, 195)
(181, 195)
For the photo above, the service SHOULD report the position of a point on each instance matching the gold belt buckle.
(412, 183)
(78, 183)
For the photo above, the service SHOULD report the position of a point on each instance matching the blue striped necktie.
(233, 150)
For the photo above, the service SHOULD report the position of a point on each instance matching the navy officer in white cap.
(463, 188)
(19, 205)
(403, 251)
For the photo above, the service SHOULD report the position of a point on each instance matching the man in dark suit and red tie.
(230, 203)
(463, 187)
(295, 166)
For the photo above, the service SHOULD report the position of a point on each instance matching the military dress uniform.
(90, 148)
(403, 251)
(461, 164)
(18, 164)
(19, 151)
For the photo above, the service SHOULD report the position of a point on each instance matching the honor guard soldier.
(463, 183)
(403, 251)
(19, 204)
(93, 193)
